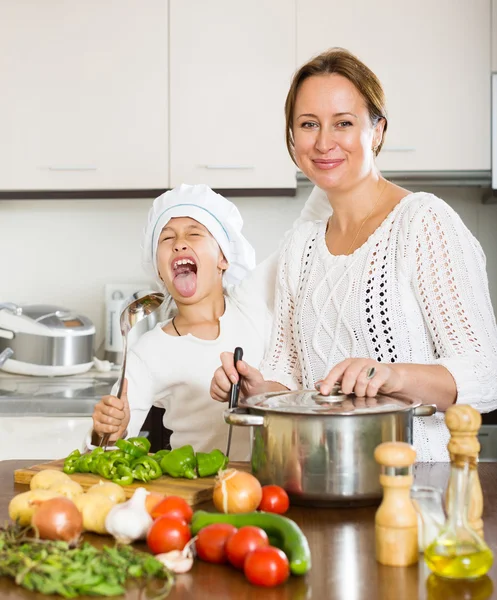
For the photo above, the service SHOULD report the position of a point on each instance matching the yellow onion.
(236, 492)
(58, 519)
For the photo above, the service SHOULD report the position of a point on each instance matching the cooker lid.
(312, 402)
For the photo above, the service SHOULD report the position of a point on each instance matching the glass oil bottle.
(458, 552)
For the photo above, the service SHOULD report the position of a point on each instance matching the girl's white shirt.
(415, 292)
(175, 373)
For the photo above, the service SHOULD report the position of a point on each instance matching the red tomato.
(173, 506)
(267, 566)
(242, 542)
(211, 542)
(274, 499)
(168, 533)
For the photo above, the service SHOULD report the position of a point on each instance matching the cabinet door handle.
(229, 167)
(398, 149)
(75, 169)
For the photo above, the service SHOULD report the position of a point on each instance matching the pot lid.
(312, 402)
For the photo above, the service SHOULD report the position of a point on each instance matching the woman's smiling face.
(189, 260)
(332, 131)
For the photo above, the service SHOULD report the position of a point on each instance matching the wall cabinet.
(112, 95)
(230, 68)
(84, 95)
(433, 59)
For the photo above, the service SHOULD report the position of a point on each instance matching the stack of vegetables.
(132, 462)
(249, 532)
(54, 560)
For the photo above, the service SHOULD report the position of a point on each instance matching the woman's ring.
(370, 373)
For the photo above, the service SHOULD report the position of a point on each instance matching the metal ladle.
(133, 313)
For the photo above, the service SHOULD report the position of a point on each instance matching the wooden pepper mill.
(463, 422)
(396, 520)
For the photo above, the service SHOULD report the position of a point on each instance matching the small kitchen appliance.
(46, 340)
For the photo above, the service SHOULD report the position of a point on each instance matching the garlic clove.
(176, 561)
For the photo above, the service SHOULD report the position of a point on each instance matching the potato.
(112, 490)
(94, 508)
(70, 489)
(46, 478)
(21, 507)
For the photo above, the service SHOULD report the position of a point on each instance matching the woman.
(390, 295)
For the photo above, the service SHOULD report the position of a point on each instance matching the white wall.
(64, 251)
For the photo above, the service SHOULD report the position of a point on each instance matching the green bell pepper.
(158, 456)
(106, 467)
(113, 454)
(93, 460)
(123, 475)
(70, 463)
(83, 464)
(130, 448)
(142, 443)
(180, 462)
(210, 463)
(146, 468)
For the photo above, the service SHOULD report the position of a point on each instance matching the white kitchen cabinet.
(231, 64)
(84, 100)
(433, 59)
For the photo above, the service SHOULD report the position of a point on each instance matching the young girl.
(194, 247)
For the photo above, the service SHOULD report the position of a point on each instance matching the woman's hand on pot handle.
(252, 381)
(363, 377)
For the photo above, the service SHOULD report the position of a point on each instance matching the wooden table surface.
(342, 547)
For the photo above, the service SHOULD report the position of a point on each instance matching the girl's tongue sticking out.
(185, 276)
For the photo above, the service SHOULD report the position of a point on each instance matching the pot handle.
(239, 416)
(424, 410)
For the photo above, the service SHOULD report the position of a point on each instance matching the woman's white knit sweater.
(415, 292)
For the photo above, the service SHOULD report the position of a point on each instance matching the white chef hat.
(220, 216)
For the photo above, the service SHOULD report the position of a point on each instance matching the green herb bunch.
(55, 568)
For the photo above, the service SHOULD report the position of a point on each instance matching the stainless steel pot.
(321, 448)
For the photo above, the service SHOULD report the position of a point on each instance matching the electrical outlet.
(122, 291)
(116, 295)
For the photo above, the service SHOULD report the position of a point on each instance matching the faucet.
(5, 355)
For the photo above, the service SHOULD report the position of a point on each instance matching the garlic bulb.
(130, 520)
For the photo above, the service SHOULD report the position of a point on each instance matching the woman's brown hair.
(340, 62)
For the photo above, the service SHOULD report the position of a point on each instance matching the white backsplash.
(65, 251)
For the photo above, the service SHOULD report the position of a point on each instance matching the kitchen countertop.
(68, 396)
(342, 548)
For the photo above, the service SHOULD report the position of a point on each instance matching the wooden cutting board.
(194, 491)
